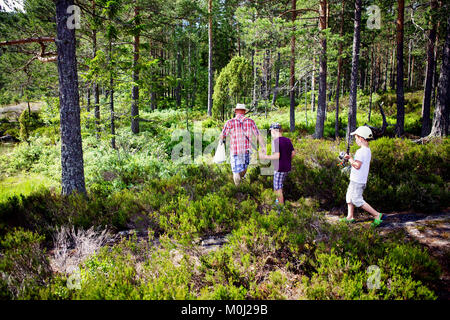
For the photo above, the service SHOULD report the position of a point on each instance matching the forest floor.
(431, 230)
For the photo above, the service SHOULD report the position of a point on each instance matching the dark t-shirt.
(284, 146)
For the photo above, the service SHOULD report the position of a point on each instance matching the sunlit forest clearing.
(110, 116)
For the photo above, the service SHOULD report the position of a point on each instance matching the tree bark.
(210, 67)
(111, 99)
(339, 68)
(135, 89)
(71, 145)
(441, 113)
(322, 98)
(426, 104)
(277, 80)
(96, 88)
(351, 126)
(292, 70)
(400, 126)
(313, 84)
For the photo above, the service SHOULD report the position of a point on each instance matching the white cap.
(364, 132)
(240, 106)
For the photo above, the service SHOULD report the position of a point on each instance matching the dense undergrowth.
(292, 255)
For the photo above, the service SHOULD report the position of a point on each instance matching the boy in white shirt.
(358, 176)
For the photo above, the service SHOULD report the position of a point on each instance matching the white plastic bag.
(220, 156)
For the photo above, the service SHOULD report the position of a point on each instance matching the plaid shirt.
(239, 128)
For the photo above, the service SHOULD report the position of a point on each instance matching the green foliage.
(23, 265)
(342, 268)
(232, 85)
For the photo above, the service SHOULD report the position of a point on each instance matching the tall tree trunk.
(88, 106)
(306, 102)
(292, 70)
(372, 84)
(72, 165)
(441, 112)
(392, 76)
(277, 79)
(351, 126)
(339, 69)
(210, 67)
(179, 75)
(96, 87)
(400, 126)
(426, 105)
(436, 74)
(111, 99)
(313, 84)
(135, 89)
(322, 99)
(409, 62)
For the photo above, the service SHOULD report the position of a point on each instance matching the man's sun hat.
(275, 125)
(364, 132)
(241, 106)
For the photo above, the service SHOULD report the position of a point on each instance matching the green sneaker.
(377, 222)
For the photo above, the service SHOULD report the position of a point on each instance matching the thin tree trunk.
(72, 166)
(339, 68)
(306, 102)
(292, 70)
(313, 84)
(111, 99)
(322, 99)
(135, 89)
(372, 85)
(210, 53)
(426, 105)
(400, 126)
(277, 79)
(351, 126)
(441, 112)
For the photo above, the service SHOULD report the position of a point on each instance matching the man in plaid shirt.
(240, 129)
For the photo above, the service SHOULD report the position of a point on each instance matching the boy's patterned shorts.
(278, 179)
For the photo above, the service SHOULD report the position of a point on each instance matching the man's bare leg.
(237, 178)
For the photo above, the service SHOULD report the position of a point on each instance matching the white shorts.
(354, 193)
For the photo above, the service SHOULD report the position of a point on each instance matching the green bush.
(24, 266)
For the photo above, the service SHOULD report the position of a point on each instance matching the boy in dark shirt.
(282, 153)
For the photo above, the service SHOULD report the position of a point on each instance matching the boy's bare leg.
(371, 210)
(351, 211)
(280, 196)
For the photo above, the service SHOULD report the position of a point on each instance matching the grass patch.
(24, 184)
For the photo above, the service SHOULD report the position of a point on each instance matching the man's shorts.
(278, 179)
(354, 193)
(239, 162)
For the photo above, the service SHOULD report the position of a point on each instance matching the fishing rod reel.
(344, 164)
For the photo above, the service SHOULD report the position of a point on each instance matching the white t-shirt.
(364, 155)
